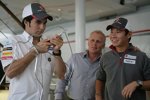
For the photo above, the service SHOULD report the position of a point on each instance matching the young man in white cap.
(27, 60)
(124, 73)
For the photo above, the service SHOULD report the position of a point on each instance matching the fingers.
(57, 37)
(57, 41)
(129, 89)
(126, 93)
(46, 41)
(43, 45)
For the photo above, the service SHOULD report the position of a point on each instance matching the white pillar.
(80, 25)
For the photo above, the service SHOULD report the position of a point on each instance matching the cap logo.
(39, 10)
(117, 21)
(42, 8)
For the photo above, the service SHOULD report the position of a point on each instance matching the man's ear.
(25, 22)
(129, 34)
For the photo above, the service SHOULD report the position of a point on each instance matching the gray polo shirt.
(118, 71)
(80, 78)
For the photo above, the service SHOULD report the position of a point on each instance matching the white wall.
(137, 21)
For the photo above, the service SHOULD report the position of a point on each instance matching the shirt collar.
(85, 55)
(130, 47)
(27, 36)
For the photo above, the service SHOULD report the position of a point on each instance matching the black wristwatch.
(140, 83)
(57, 54)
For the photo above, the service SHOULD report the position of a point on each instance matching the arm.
(131, 87)
(146, 72)
(61, 85)
(99, 90)
(19, 65)
(14, 68)
(59, 65)
(144, 84)
(100, 82)
(60, 89)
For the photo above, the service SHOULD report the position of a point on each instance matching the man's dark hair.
(127, 32)
(28, 19)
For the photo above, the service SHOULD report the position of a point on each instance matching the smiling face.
(35, 27)
(119, 38)
(96, 42)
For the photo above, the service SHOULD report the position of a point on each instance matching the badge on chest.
(129, 59)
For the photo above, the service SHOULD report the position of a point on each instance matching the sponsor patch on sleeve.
(7, 54)
(7, 48)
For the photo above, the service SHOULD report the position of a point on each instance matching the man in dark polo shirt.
(124, 72)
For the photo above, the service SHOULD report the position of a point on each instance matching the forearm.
(59, 67)
(99, 90)
(146, 85)
(19, 65)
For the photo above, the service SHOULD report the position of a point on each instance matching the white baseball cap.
(36, 10)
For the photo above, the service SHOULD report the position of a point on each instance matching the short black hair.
(28, 19)
(127, 32)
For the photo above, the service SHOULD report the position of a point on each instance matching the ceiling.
(64, 11)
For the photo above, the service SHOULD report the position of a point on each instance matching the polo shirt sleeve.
(69, 65)
(101, 75)
(8, 53)
(146, 68)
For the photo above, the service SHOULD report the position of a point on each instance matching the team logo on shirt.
(129, 59)
(130, 56)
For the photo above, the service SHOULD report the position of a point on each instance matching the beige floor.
(148, 95)
(3, 94)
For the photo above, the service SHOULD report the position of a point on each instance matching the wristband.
(35, 49)
(57, 54)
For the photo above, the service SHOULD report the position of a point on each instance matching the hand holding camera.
(54, 43)
(57, 42)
